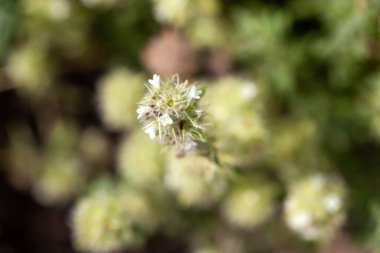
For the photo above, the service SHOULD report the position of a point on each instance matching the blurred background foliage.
(293, 102)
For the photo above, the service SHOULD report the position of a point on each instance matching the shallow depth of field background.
(294, 109)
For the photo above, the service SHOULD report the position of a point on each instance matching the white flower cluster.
(171, 11)
(314, 207)
(109, 220)
(194, 180)
(118, 94)
(170, 114)
(250, 205)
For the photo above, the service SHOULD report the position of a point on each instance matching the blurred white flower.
(151, 131)
(155, 81)
(299, 221)
(59, 9)
(165, 120)
(313, 209)
(170, 10)
(332, 203)
(194, 93)
(142, 110)
(249, 90)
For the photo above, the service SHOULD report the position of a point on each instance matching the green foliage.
(124, 31)
(8, 20)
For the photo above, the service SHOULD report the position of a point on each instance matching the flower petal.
(155, 81)
(151, 131)
(142, 110)
(165, 120)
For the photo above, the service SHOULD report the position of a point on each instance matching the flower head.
(314, 208)
(170, 113)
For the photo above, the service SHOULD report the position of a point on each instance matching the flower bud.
(118, 94)
(30, 70)
(195, 180)
(60, 180)
(249, 205)
(140, 160)
(111, 220)
(233, 110)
